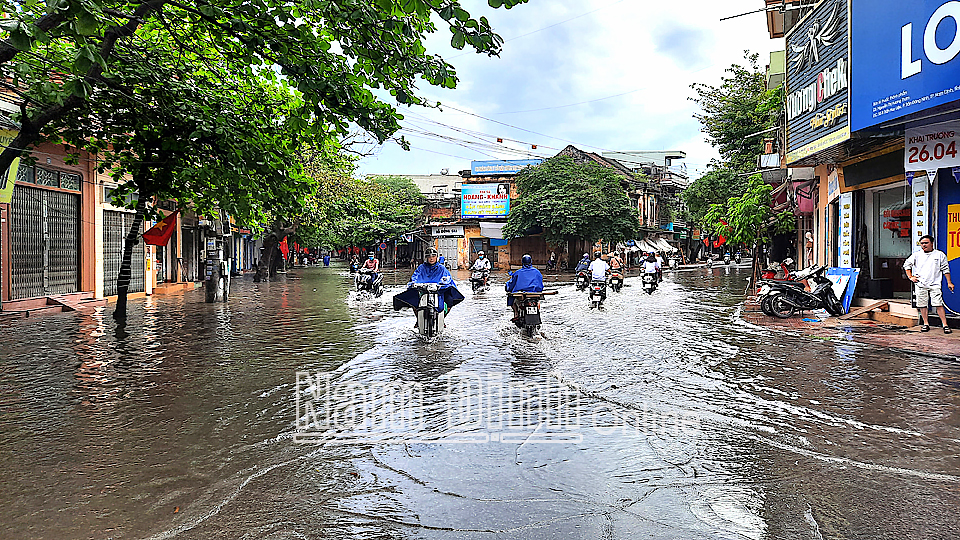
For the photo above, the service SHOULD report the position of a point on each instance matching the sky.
(603, 75)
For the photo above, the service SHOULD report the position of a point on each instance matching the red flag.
(160, 234)
(284, 248)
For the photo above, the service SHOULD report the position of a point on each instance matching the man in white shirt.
(599, 267)
(927, 268)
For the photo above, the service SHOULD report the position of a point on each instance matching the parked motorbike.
(598, 293)
(771, 288)
(649, 281)
(478, 279)
(429, 313)
(365, 282)
(616, 280)
(789, 299)
(583, 279)
(529, 305)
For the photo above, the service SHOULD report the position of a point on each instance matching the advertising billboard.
(818, 81)
(905, 58)
(484, 200)
(500, 166)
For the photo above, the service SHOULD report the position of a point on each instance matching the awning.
(492, 229)
(662, 245)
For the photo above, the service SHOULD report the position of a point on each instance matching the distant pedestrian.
(927, 268)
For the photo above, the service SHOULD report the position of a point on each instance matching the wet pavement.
(663, 416)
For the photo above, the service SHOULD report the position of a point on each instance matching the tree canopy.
(737, 112)
(569, 201)
(736, 116)
(57, 55)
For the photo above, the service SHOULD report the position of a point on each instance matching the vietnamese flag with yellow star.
(160, 234)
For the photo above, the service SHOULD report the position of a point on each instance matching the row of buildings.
(868, 153)
(61, 238)
(466, 212)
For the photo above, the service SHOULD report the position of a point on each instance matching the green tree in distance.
(572, 201)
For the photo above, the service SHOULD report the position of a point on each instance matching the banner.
(919, 210)
(932, 147)
(7, 180)
(484, 200)
(846, 230)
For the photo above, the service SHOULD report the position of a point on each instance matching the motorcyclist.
(599, 267)
(371, 266)
(354, 263)
(431, 271)
(482, 264)
(584, 263)
(616, 264)
(526, 279)
(651, 265)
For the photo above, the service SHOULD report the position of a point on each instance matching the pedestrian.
(927, 268)
(808, 249)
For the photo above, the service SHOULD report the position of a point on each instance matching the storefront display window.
(893, 223)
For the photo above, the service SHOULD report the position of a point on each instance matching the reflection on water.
(688, 423)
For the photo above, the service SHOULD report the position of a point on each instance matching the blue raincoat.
(427, 273)
(526, 279)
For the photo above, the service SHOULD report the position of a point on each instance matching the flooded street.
(661, 416)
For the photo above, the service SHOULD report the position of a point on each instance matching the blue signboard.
(484, 200)
(500, 166)
(904, 58)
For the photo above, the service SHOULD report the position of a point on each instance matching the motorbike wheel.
(780, 308)
(528, 331)
(766, 305)
(832, 303)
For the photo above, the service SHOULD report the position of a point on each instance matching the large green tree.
(737, 115)
(184, 131)
(745, 218)
(57, 54)
(572, 201)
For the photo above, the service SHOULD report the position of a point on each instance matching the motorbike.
(354, 267)
(478, 279)
(529, 305)
(429, 314)
(616, 280)
(787, 299)
(649, 281)
(598, 293)
(583, 279)
(738, 258)
(365, 282)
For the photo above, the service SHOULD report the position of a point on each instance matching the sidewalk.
(860, 330)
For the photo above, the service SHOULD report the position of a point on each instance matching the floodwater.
(660, 416)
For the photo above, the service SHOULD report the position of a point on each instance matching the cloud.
(603, 74)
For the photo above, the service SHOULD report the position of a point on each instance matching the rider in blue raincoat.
(431, 271)
(526, 279)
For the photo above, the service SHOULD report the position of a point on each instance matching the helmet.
(371, 255)
(586, 256)
(432, 252)
(480, 253)
(598, 255)
(527, 261)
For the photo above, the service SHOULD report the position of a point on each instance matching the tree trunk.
(271, 258)
(123, 278)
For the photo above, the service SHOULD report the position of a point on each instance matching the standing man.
(927, 268)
